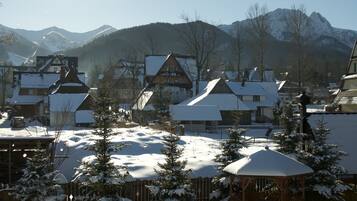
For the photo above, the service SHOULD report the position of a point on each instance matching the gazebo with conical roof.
(268, 169)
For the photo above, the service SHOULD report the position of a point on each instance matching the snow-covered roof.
(66, 102)
(38, 80)
(231, 75)
(231, 101)
(24, 100)
(268, 75)
(267, 163)
(280, 84)
(153, 63)
(17, 99)
(84, 116)
(223, 101)
(195, 113)
(141, 103)
(248, 89)
(42, 80)
(189, 66)
(352, 76)
(342, 133)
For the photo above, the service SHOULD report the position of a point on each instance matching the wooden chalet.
(69, 102)
(56, 92)
(30, 92)
(170, 80)
(172, 73)
(346, 99)
(222, 102)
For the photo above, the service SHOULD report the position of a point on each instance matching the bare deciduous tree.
(150, 42)
(297, 23)
(200, 40)
(259, 27)
(237, 47)
(134, 68)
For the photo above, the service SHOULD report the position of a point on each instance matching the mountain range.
(318, 27)
(106, 44)
(26, 44)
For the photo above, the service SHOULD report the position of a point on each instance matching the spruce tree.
(324, 159)
(38, 180)
(173, 182)
(103, 179)
(289, 139)
(230, 153)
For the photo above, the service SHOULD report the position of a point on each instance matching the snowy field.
(142, 151)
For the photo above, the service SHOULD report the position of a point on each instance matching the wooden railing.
(137, 191)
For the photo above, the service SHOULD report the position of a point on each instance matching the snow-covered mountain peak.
(318, 27)
(54, 34)
(320, 24)
(318, 18)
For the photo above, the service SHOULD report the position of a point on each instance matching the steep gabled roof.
(153, 63)
(352, 58)
(37, 80)
(44, 62)
(171, 57)
(61, 102)
(217, 93)
(69, 84)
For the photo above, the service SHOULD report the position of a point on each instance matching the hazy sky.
(84, 15)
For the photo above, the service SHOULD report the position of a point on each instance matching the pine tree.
(173, 182)
(289, 140)
(323, 158)
(38, 180)
(230, 153)
(100, 175)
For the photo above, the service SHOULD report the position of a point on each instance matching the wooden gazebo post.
(245, 181)
(301, 180)
(282, 183)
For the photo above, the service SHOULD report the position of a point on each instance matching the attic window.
(256, 98)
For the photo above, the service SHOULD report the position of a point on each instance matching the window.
(256, 98)
(247, 98)
(355, 67)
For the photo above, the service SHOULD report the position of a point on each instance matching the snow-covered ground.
(142, 151)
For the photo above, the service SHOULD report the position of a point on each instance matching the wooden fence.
(137, 191)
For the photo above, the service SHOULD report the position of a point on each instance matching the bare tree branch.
(259, 27)
(237, 47)
(297, 23)
(200, 40)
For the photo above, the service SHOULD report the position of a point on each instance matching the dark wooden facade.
(13, 153)
(172, 74)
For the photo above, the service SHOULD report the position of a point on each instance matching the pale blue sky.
(84, 15)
